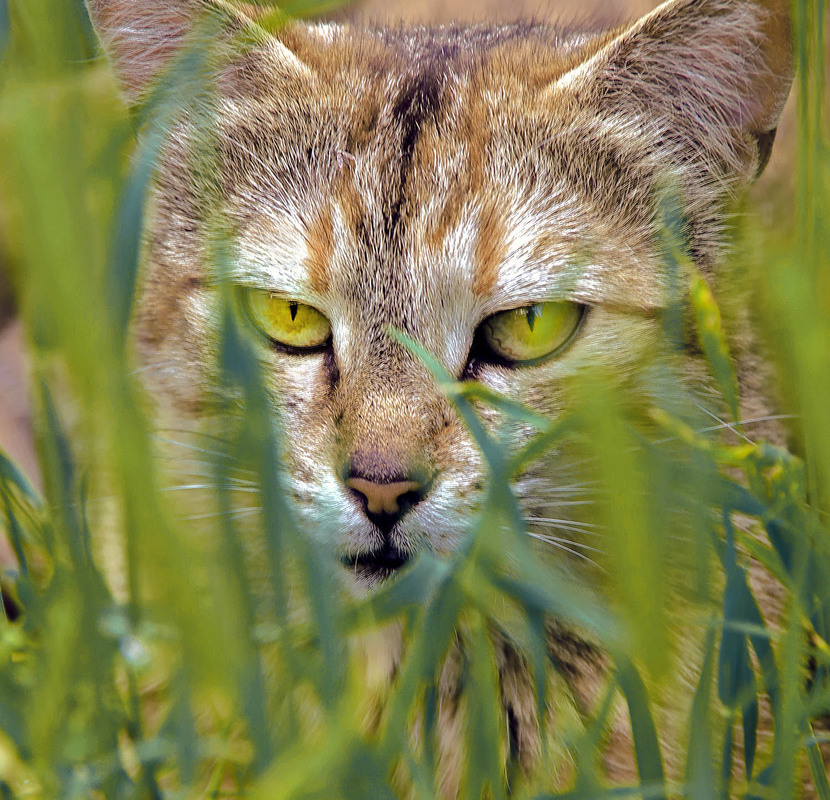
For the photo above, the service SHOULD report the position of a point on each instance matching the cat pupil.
(532, 313)
(292, 307)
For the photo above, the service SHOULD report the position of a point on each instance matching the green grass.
(173, 671)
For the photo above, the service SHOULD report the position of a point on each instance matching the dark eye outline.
(482, 352)
(243, 295)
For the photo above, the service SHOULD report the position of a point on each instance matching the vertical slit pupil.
(533, 312)
(292, 307)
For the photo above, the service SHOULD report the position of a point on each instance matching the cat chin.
(362, 579)
(368, 570)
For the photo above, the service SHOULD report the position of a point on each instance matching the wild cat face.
(489, 192)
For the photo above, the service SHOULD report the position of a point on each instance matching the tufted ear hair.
(712, 74)
(142, 36)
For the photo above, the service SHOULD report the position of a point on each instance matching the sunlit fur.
(426, 179)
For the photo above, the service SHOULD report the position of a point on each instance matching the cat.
(443, 182)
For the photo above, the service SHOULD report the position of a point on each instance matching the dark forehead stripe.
(417, 104)
(419, 100)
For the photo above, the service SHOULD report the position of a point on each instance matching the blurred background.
(771, 198)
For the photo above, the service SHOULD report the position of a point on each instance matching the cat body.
(430, 181)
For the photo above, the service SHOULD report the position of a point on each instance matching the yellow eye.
(530, 333)
(286, 321)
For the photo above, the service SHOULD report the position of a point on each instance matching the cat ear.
(713, 74)
(142, 36)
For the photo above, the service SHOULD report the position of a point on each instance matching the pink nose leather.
(382, 498)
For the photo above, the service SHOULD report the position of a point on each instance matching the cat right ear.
(143, 36)
(713, 74)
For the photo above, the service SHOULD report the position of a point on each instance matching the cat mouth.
(379, 564)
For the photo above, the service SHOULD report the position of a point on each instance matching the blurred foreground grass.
(166, 671)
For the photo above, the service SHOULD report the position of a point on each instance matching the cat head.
(492, 192)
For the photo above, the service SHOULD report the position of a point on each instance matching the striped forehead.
(499, 244)
(420, 169)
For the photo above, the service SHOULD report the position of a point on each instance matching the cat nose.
(387, 501)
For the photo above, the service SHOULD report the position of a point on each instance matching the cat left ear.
(714, 74)
(142, 36)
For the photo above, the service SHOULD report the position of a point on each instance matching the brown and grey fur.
(427, 178)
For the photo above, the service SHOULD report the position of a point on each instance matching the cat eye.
(528, 334)
(286, 322)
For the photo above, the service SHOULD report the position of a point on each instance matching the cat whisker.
(544, 537)
(725, 425)
(566, 503)
(564, 487)
(207, 467)
(234, 513)
(560, 497)
(157, 366)
(212, 487)
(721, 422)
(563, 525)
(731, 426)
(752, 421)
(569, 521)
(208, 475)
(196, 433)
(559, 545)
(217, 453)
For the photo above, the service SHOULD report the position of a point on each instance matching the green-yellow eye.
(287, 321)
(532, 332)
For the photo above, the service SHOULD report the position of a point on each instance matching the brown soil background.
(773, 191)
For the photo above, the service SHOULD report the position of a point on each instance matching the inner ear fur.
(142, 36)
(715, 72)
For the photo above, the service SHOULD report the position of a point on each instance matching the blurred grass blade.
(241, 369)
(60, 480)
(456, 392)
(701, 780)
(300, 9)
(241, 625)
(818, 770)
(158, 115)
(409, 593)
(473, 390)
(638, 545)
(183, 727)
(436, 631)
(727, 756)
(10, 473)
(12, 721)
(646, 747)
(14, 528)
(736, 678)
(744, 600)
(562, 598)
(319, 572)
(483, 772)
(749, 718)
(713, 342)
(4, 26)
(674, 240)
(762, 784)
